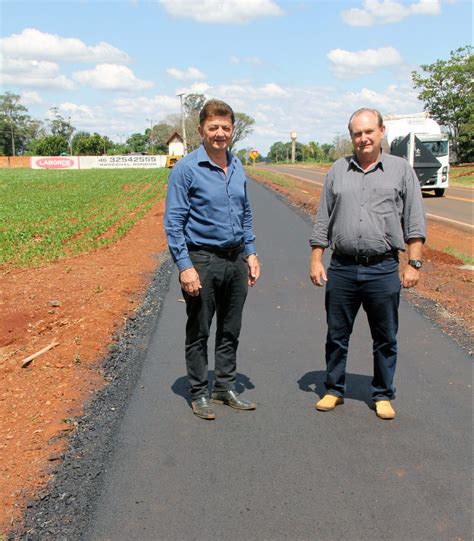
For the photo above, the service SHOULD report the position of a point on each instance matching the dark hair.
(366, 110)
(216, 108)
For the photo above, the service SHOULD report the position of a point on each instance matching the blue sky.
(114, 67)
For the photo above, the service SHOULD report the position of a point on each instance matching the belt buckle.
(363, 259)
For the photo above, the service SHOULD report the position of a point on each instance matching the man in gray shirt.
(371, 206)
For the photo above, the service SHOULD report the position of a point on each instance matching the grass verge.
(46, 215)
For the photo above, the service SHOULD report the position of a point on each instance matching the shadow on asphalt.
(357, 385)
(181, 385)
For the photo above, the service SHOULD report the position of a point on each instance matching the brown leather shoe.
(202, 408)
(384, 409)
(232, 399)
(328, 402)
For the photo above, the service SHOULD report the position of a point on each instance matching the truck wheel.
(439, 192)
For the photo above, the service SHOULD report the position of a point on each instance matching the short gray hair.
(366, 110)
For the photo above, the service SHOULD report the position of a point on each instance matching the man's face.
(366, 135)
(216, 132)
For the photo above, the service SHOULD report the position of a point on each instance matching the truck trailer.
(418, 138)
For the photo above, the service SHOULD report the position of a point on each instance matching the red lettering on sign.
(55, 163)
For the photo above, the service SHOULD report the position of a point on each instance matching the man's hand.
(317, 272)
(410, 276)
(190, 282)
(254, 269)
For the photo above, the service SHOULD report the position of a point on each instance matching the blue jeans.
(377, 288)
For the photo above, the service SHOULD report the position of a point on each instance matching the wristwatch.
(415, 263)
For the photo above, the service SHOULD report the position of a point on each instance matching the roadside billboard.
(121, 162)
(54, 162)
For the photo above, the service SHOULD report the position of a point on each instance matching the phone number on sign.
(129, 159)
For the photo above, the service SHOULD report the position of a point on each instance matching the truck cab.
(418, 139)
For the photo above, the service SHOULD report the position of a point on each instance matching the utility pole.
(293, 146)
(151, 132)
(183, 127)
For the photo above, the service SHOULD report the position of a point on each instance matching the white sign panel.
(54, 162)
(121, 162)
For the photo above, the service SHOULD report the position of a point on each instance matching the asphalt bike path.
(286, 471)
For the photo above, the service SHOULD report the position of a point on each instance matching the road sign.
(254, 154)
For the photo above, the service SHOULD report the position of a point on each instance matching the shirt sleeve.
(249, 236)
(414, 220)
(320, 234)
(176, 216)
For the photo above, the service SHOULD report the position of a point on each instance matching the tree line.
(445, 88)
(22, 135)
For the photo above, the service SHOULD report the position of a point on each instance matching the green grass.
(466, 259)
(269, 176)
(46, 215)
(461, 176)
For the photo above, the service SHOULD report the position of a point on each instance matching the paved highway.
(455, 208)
(285, 471)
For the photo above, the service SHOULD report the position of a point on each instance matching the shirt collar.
(203, 156)
(354, 164)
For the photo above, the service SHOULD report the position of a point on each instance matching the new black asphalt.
(286, 471)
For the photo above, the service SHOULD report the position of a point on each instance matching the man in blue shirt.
(208, 224)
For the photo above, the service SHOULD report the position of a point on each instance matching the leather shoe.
(202, 408)
(328, 402)
(232, 399)
(384, 409)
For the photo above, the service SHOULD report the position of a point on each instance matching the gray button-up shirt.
(372, 212)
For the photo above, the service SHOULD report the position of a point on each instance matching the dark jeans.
(377, 288)
(224, 290)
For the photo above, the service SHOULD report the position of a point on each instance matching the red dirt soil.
(82, 302)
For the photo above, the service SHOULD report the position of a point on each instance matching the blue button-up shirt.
(206, 207)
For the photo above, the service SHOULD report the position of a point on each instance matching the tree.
(137, 142)
(315, 151)
(158, 137)
(50, 145)
(90, 145)
(326, 149)
(243, 126)
(279, 152)
(447, 92)
(193, 103)
(15, 124)
(342, 147)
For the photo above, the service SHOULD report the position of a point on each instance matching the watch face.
(416, 263)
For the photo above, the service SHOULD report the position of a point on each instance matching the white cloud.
(195, 88)
(395, 99)
(111, 77)
(272, 90)
(33, 73)
(190, 74)
(36, 45)
(388, 11)
(222, 11)
(349, 64)
(30, 98)
(252, 60)
(156, 105)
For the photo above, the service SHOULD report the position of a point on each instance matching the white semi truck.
(418, 138)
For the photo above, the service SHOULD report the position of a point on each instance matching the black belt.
(224, 252)
(365, 259)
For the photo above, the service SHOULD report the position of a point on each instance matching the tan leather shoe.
(384, 409)
(328, 402)
(202, 408)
